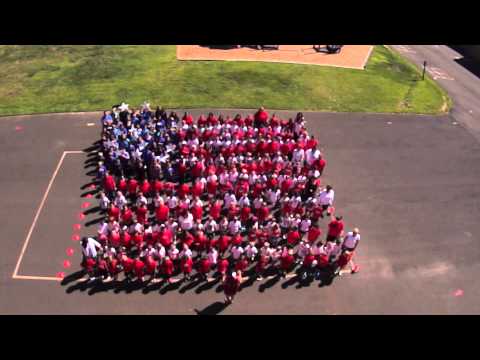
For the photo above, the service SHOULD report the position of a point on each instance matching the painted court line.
(35, 219)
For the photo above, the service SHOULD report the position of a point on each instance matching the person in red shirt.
(183, 190)
(313, 233)
(166, 237)
(320, 164)
(335, 228)
(204, 267)
(241, 265)
(222, 267)
(189, 239)
(125, 239)
(109, 184)
(201, 241)
(197, 212)
(127, 216)
(142, 214)
(261, 266)
(114, 239)
(212, 187)
(188, 119)
(287, 262)
(137, 240)
(261, 118)
(293, 237)
(102, 267)
(167, 269)
(162, 213)
(139, 268)
(231, 285)
(223, 243)
(198, 188)
(157, 186)
(187, 266)
(113, 268)
(127, 264)
(263, 213)
(89, 266)
(145, 187)
(122, 185)
(132, 188)
(346, 258)
(114, 212)
(245, 214)
(151, 266)
(215, 210)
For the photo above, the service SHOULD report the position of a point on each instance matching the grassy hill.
(41, 78)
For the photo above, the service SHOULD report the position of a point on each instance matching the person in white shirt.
(141, 200)
(104, 201)
(103, 229)
(266, 250)
(257, 203)
(120, 200)
(211, 226)
(244, 201)
(229, 199)
(185, 252)
(157, 200)
(186, 221)
(159, 252)
(234, 226)
(172, 202)
(223, 225)
(351, 240)
(298, 155)
(325, 198)
(237, 251)
(302, 251)
(90, 247)
(251, 251)
(213, 256)
(311, 155)
(173, 252)
(305, 225)
(272, 196)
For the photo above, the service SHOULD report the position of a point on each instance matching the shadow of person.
(207, 286)
(152, 286)
(326, 279)
(191, 285)
(290, 282)
(72, 277)
(102, 287)
(269, 283)
(95, 221)
(171, 286)
(212, 309)
(80, 286)
(249, 282)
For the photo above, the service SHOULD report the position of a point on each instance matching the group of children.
(221, 195)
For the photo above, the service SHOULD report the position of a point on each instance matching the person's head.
(339, 218)
(329, 187)
(356, 231)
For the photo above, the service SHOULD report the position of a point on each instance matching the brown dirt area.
(351, 56)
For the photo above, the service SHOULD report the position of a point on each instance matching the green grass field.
(40, 79)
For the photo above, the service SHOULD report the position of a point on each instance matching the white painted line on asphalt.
(35, 219)
(90, 124)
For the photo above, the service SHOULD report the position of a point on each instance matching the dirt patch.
(351, 56)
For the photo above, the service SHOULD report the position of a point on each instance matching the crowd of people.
(219, 196)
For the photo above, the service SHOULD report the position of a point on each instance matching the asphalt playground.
(409, 182)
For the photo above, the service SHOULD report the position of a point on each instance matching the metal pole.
(424, 68)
